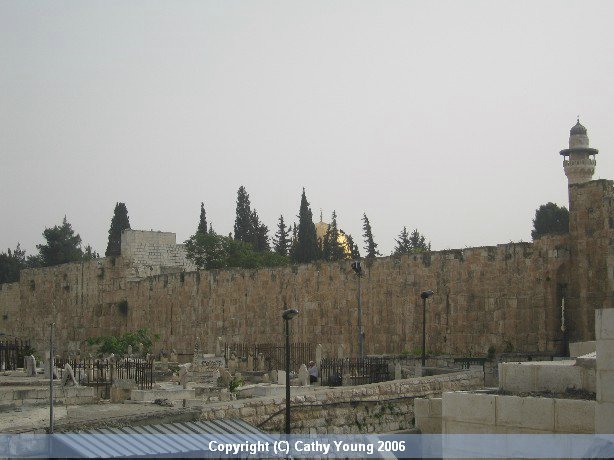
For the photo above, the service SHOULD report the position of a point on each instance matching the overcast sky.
(447, 116)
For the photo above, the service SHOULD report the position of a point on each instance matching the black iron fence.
(465, 363)
(358, 371)
(101, 373)
(274, 354)
(12, 353)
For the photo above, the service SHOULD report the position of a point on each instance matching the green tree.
(202, 222)
(243, 219)
(370, 244)
(11, 263)
(119, 223)
(281, 241)
(410, 244)
(550, 219)
(332, 247)
(418, 242)
(211, 251)
(403, 244)
(307, 240)
(62, 246)
(89, 253)
(293, 243)
(119, 344)
(354, 251)
(259, 234)
(206, 250)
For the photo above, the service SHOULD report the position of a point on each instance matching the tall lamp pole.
(425, 295)
(287, 316)
(358, 269)
(51, 364)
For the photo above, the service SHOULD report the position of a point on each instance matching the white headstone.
(30, 366)
(261, 363)
(397, 371)
(68, 375)
(303, 376)
(183, 375)
(281, 377)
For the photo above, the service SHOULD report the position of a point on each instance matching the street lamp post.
(425, 295)
(358, 269)
(287, 316)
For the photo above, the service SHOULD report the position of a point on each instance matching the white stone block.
(527, 412)
(435, 407)
(581, 348)
(604, 418)
(458, 427)
(429, 425)
(574, 416)
(605, 386)
(171, 395)
(558, 378)
(604, 324)
(422, 408)
(605, 355)
(469, 407)
(517, 377)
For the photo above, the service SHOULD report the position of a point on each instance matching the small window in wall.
(5, 317)
(32, 285)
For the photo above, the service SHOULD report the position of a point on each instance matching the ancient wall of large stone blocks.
(591, 231)
(504, 296)
(507, 296)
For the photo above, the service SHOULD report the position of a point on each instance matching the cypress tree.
(332, 248)
(281, 242)
(243, 219)
(202, 222)
(259, 234)
(307, 240)
(119, 223)
(370, 245)
(354, 251)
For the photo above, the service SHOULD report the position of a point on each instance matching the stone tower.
(578, 164)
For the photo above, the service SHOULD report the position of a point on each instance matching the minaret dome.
(579, 159)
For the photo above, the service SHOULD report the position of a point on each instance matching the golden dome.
(322, 228)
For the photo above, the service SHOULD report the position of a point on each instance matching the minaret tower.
(578, 164)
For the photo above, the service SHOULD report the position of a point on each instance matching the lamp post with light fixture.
(358, 270)
(425, 295)
(287, 316)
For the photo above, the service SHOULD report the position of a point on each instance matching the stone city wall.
(507, 296)
(374, 408)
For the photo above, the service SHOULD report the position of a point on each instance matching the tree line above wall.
(250, 246)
